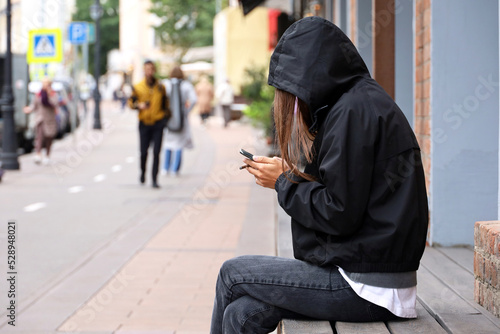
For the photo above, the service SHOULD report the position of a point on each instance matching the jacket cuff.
(279, 180)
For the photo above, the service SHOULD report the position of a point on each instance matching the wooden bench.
(445, 297)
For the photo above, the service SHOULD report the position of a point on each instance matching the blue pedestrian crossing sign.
(78, 32)
(45, 46)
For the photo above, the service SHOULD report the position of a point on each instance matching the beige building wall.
(137, 36)
(16, 26)
(241, 42)
(35, 14)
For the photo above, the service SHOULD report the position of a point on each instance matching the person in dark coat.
(358, 209)
(44, 105)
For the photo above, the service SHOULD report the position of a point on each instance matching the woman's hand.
(27, 110)
(266, 170)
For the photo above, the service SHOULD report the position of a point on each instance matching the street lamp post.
(9, 146)
(95, 14)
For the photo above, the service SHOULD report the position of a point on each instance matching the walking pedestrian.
(150, 99)
(225, 97)
(359, 208)
(44, 105)
(175, 141)
(121, 96)
(205, 94)
(85, 89)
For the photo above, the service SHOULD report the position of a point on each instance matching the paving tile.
(174, 274)
(144, 332)
(146, 329)
(195, 324)
(76, 325)
(151, 323)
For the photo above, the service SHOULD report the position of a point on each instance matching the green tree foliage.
(185, 23)
(110, 28)
(261, 96)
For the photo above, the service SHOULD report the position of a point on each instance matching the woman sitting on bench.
(358, 208)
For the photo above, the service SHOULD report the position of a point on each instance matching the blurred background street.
(97, 252)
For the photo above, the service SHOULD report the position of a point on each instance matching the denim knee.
(248, 315)
(224, 280)
(231, 267)
(231, 319)
(227, 267)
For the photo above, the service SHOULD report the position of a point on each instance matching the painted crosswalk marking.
(116, 168)
(75, 189)
(100, 178)
(35, 207)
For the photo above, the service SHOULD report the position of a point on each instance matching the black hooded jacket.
(367, 211)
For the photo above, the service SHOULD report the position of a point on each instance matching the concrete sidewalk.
(156, 273)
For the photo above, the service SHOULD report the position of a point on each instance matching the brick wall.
(353, 21)
(487, 265)
(422, 120)
(422, 117)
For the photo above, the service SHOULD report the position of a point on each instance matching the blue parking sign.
(78, 32)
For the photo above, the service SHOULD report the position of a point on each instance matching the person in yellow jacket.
(149, 97)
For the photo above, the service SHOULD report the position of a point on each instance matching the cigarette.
(244, 166)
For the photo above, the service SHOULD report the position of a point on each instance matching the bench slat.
(461, 255)
(453, 313)
(455, 276)
(288, 326)
(361, 328)
(424, 324)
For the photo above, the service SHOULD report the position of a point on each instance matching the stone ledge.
(487, 265)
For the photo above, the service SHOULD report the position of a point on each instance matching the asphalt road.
(89, 197)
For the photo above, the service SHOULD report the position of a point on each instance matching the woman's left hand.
(266, 170)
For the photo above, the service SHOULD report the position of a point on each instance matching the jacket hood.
(315, 61)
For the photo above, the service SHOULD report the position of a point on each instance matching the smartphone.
(246, 154)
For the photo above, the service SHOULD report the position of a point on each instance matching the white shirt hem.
(401, 302)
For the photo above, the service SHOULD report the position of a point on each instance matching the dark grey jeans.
(254, 293)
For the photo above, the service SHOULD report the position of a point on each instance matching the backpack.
(176, 121)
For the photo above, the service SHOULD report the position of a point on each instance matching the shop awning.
(249, 5)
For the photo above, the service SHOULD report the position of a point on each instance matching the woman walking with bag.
(44, 106)
(359, 208)
(175, 140)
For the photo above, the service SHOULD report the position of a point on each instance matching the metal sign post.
(78, 34)
(9, 153)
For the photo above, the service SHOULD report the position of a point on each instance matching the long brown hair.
(177, 73)
(292, 132)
